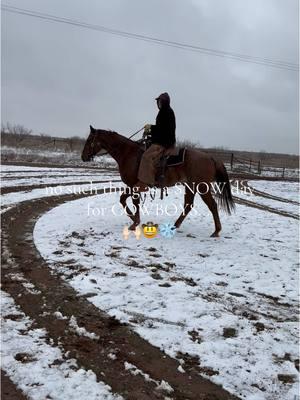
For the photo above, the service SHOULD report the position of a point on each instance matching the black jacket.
(163, 132)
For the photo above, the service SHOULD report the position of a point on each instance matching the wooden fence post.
(231, 161)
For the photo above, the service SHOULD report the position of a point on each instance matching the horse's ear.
(92, 129)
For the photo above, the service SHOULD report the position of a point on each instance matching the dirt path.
(9, 390)
(52, 294)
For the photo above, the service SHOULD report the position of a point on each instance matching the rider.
(163, 138)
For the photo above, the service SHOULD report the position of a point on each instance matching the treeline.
(20, 137)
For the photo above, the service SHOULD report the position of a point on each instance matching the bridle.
(104, 154)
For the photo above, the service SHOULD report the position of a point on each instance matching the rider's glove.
(147, 129)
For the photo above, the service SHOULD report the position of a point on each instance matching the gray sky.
(58, 79)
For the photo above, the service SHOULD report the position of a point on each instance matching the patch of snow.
(30, 288)
(59, 315)
(276, 204)
(10, 183)
(286, 190)
(163, 385)
(81, 331)
(27, 285)
(112, 356)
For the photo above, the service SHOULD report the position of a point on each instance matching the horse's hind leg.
(188, 204)
(136, 221)
(212, 205)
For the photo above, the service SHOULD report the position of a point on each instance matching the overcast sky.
(58, 79)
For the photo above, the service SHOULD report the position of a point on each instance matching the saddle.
(177, 158)
(173, 159)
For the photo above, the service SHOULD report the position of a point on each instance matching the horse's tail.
(225, 199)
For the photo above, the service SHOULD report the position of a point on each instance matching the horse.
(199, 170)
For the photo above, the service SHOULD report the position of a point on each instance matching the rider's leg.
(160, 175)
(147, 168)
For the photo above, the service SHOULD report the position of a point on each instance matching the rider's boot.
(160, 177)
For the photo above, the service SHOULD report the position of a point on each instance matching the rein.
(104, 154)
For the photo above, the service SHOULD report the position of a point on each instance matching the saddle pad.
(176, 159)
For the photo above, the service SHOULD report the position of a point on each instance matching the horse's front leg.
(124, 196)
(137, 220)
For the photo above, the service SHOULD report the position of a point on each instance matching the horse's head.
(93, 144)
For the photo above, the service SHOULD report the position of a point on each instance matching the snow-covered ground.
(230, 302)
(279, 172)
(49, 181)
(9, 150)
(22, 170)
(39, 369)
(12, 177)
(19, 197)
(17, 168)
(276, 189)
(286, 190)
(59, 156)
(27, 176)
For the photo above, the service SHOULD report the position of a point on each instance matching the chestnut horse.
(198, 170)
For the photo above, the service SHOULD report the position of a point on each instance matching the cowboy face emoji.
(150, 230)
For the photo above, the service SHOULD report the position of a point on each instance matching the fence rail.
(255, 166)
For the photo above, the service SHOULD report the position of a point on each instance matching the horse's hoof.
(215, 234)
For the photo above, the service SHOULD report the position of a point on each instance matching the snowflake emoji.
(167, 230)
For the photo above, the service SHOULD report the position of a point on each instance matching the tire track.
(263, 207)
(249, 203)
(52, 294)
(267, 195)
